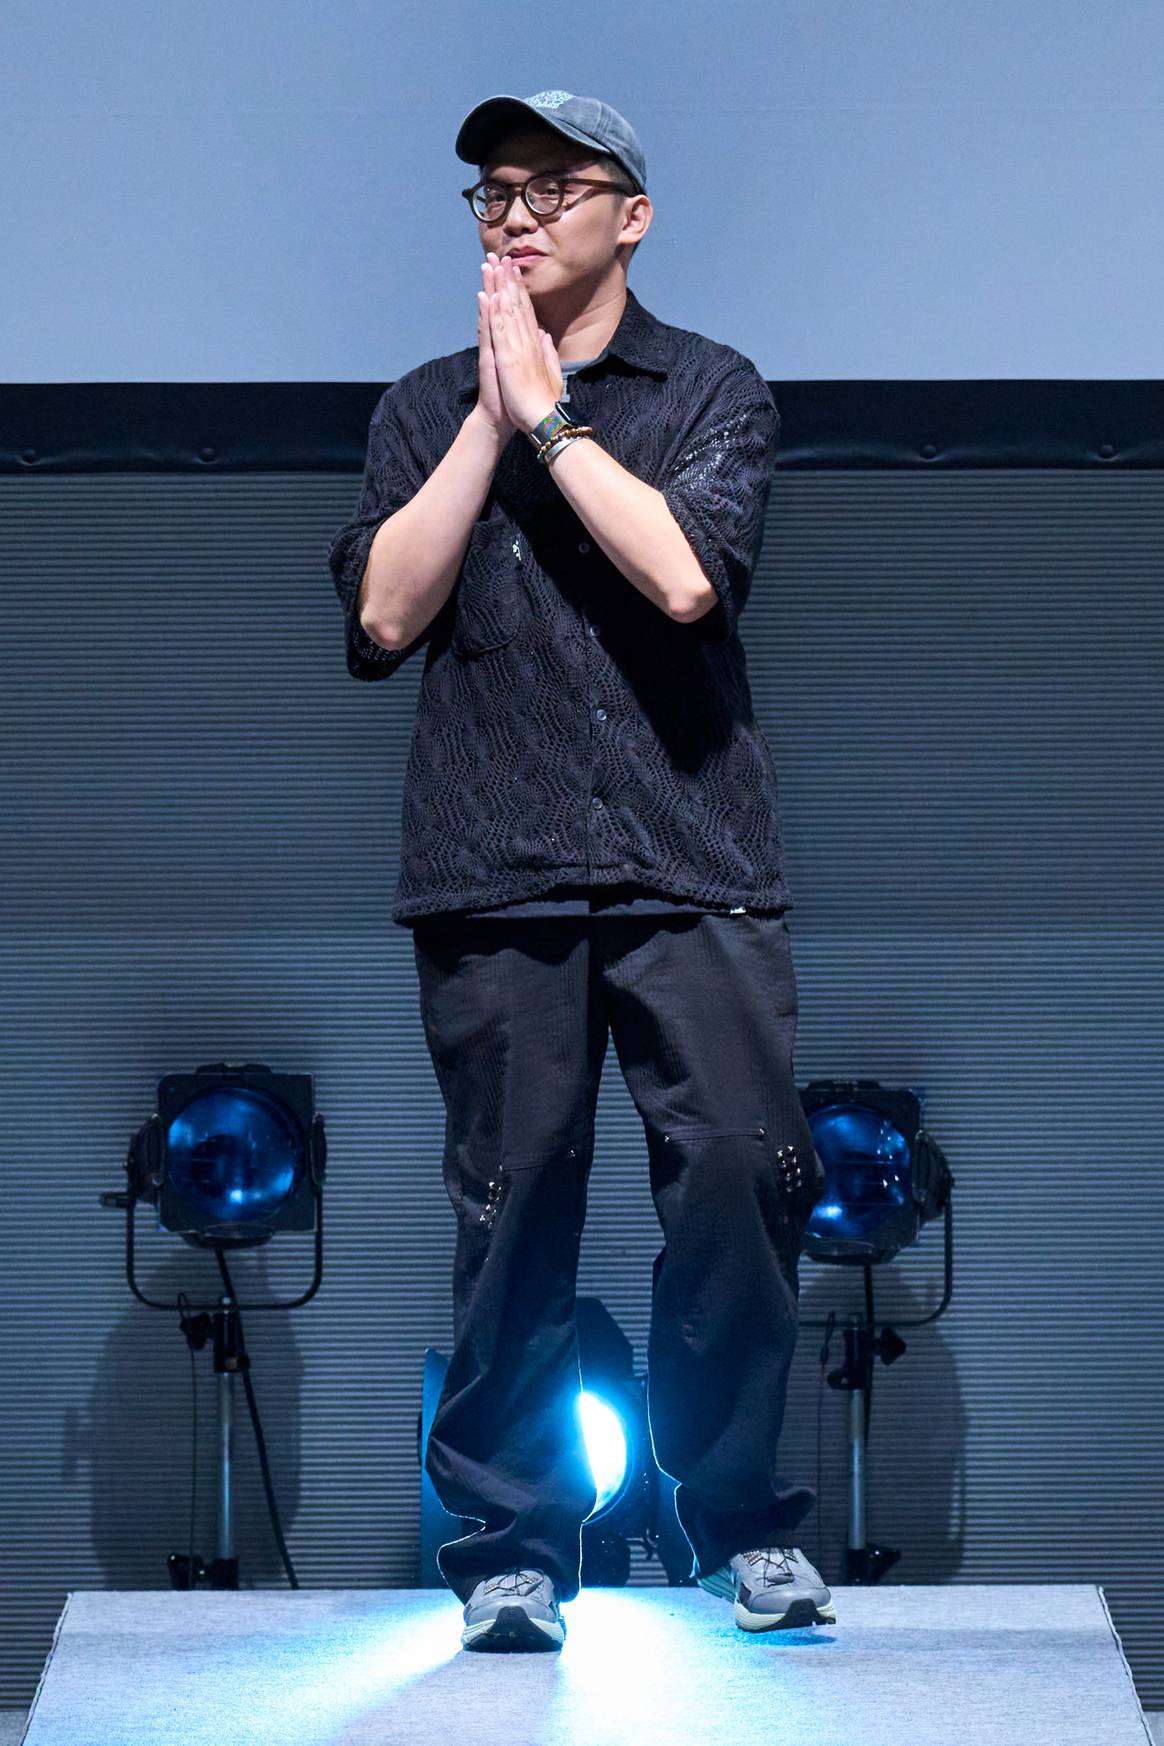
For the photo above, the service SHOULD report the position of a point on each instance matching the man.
(591, 844)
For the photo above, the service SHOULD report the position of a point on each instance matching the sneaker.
(516, 1610)
(774, 1589)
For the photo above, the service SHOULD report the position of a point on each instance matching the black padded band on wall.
(279, 427)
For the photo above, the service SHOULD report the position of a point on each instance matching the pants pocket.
(707, 1133)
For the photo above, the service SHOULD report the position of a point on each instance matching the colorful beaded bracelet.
(549, 449)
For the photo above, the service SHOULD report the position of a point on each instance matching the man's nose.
(519, 219)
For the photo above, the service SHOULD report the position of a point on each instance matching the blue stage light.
(881, 1174)
(610, 1419)
(605, 1437)
(867, 1160)
(234, 1154)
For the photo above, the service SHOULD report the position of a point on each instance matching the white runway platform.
(957, 1665)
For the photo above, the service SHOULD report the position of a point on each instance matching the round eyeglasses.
(543, 195)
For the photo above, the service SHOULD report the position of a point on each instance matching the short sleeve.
(717, 489)
(391, 477)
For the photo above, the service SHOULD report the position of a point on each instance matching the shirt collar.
(639, 340)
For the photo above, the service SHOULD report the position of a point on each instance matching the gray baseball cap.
(585, 119)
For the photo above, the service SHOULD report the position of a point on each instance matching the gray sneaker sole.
(798, 1613)
(513, 1628)
(795, 1615)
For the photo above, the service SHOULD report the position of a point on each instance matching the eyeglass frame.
(516, 188)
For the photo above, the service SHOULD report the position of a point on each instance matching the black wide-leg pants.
(703, 1011)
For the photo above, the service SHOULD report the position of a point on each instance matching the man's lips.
(524, 255)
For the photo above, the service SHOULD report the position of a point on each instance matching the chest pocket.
(490, 588)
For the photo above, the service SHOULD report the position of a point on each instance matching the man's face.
(577, 241)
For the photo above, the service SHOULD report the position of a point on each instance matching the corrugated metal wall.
(960, 677)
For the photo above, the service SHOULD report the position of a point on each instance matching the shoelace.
(777, 1566)
(510, 1582)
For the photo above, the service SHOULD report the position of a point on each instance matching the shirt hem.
(774, 897)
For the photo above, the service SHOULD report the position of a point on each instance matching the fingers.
(520, 301)
(496, 277)
(489, 299)
(484, 302)
(507, 293)
(485, 297)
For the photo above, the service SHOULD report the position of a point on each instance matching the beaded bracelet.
(549, 449)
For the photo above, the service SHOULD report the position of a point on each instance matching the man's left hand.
(527, 360)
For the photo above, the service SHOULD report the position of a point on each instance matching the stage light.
(611, 1410)
(233, 1159)
(885, 1175)
(231, 1156)
(605, 1437)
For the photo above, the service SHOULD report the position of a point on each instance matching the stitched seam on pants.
(571, 1155)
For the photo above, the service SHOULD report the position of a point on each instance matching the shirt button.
(583, 545)
(596, 800)
(601, 714)
(594, 630)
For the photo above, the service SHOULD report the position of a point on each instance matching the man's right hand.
(490, 406)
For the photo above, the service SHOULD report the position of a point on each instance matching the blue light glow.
(606, 1446)
(234, 1153)
(867, 1165)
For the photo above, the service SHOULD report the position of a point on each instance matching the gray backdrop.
(959, 677)
(270, 193)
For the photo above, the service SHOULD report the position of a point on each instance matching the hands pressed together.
(519, 374)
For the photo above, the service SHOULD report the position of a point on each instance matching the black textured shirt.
(575, 748)
(631, 898)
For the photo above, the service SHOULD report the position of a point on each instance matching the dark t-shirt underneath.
(626, 898)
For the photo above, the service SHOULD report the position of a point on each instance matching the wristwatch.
(545, 427)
